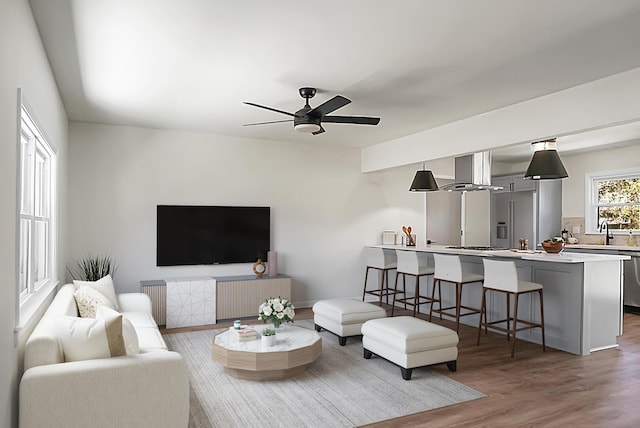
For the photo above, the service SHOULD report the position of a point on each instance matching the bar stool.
(383, 260)
(502, 276)
(414, 264)
(448, 269)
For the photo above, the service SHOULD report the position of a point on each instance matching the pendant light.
(423, 181)
(545, 163)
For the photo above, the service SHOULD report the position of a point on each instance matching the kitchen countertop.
(534, 255)
(602, 247)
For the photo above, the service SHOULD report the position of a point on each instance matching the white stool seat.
(415, 264)
(502, 276)
(383, 260)
(410, 342)
(526, 286)
(448, 269)
(472, 277)
(344, 317)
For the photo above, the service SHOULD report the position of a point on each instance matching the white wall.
(23, 64)
(323, 208)
(573, 190)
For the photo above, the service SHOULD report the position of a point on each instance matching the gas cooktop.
(477, 248)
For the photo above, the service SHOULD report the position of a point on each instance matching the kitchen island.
(582, 294)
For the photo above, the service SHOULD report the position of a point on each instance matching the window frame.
(30, 128)
(591, 197)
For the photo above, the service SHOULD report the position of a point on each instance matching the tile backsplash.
(575, 226)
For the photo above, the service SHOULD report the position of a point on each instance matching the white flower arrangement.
(277, 311)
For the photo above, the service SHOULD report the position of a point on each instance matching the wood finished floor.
(550, 389)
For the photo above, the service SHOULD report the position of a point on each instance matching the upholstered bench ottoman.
(344, 317)
(410, 343)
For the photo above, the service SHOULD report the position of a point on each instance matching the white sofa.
(149, 389)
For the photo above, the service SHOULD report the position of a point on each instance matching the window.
(613, 197)
(36, 207)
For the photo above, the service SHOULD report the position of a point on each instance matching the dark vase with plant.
(92, 268)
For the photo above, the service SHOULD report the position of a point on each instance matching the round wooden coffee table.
(295, 348)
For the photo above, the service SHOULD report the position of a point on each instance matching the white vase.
(268, 340)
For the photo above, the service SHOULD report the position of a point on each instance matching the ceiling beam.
(605, 102)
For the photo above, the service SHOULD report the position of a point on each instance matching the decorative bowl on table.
(553, 246)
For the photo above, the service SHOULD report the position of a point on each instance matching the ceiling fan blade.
(328, 106)
(270, 108)
(319, 131)
(357, 120)
(266, 123)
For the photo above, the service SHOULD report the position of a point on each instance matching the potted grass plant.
(92, 268)
(268, 337)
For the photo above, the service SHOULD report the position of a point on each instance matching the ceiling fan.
(309, 119)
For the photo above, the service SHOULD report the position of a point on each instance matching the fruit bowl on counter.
(553, 245)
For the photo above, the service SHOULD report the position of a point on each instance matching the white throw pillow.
(103, 285)
(128, 331)
(88, 299)
(87, 338)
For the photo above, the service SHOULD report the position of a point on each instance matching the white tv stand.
(236, 296)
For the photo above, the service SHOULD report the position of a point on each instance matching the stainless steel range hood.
(472, 172)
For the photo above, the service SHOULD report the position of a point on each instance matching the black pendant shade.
(423, 182)
(546, 165)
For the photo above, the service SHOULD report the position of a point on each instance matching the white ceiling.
(417, 64)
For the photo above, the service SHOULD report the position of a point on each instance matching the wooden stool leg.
(433, 298)
(482, 311)
(416, 296)
(508, 316)
(386, 290)
(381, 286)
(458, 303)
(544, 348)
(395, 293)
(515, 322)
(366, 274)
(404, 289)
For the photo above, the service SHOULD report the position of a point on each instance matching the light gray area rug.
(340, 389)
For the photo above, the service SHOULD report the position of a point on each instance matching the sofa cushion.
(150, 339)
(88, 299)
(86, 338)
(43, 347)
(128, 331)
(104, 286)
(140, 319)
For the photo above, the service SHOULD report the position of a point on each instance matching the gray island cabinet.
(582, 295)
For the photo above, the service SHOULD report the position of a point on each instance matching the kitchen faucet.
(604, 225)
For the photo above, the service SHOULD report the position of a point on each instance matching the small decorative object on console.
(259, 268)
(553, 245)
(276, 310)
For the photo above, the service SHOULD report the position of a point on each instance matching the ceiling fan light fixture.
(423, 181)
(307, 127)
(545, 163)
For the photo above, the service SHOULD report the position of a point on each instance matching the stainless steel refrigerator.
(534, 215)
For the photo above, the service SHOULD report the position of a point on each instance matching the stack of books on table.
(244, 334)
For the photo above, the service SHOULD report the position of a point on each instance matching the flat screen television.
(204, 235)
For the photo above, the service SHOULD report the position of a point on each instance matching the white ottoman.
(344, 317)
(410, 343)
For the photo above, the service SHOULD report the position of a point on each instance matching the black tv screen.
(204, 235)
